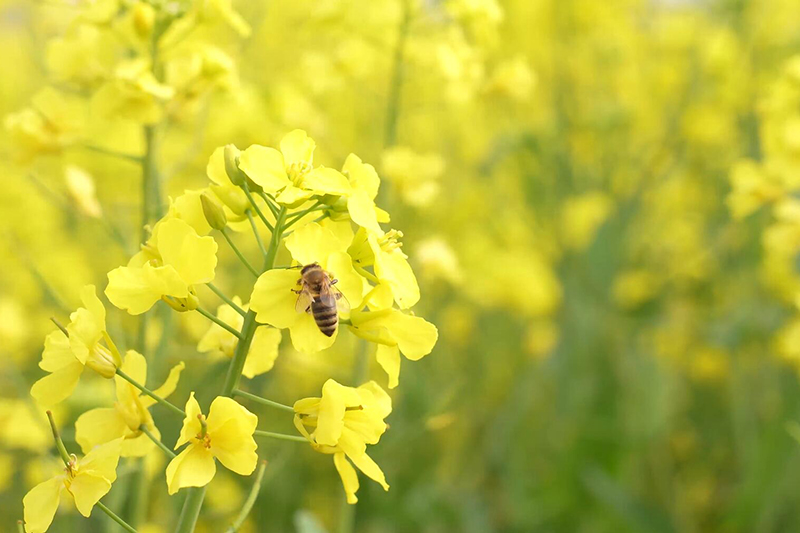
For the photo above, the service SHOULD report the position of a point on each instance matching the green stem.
(395, 88)
(62, 450)
(153, 395)
(250, 501)
(275, 240)
(240, 354)
(191, 509)
(219, 322)
(225, 299)
(256, 233)
(252, 200)
(113, 153)
(111, 514)
(163, 447)
(244, 261)
(280, 436)
(20, 526)
(263, 401)
(270, 201)
(297, 216)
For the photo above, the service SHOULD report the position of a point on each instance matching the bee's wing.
(304, 300)
(342, 305)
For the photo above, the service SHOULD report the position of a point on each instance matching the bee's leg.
(334, 281)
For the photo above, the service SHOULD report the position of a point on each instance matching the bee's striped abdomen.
(326, 317)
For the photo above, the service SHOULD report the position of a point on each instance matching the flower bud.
(103, 361)
(182, 305)
(213, 211)
(144, 16)
(236, 176)
(234, 198)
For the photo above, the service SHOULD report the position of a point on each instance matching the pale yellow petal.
(415, 336)
(306, 336)
(234, 446)
(265, 166)
(362, 176)
(389, 359)
(263, 352)
(273, 299)
(224, 409)
(331, 414)
(40, 505)
(192, 256)
(87, 489)
(297, 147)
(99, 426)
(57, 353)
(169, 385)
(102, 460)
(136, 289)
(56, 387)
(325, 180)
(349, 282)
(362, 211)
(348, 475)
(365, 463)
(193, 467)
(313, 244)
(191, 424)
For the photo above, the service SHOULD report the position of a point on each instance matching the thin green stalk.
(163, 447)
(123, 524)
(250, 501)
(62, 450)
(219, 322)
(177, 410)
(256, 233)
(113, 153)
(263, 401)
(241, 257)
(297, 216)
(240, 354)
(252, 200)
(225, 299)
(280, 436)
(395, 88)
(191, 509)
(275, 240)
(20, 526)
(270, 201)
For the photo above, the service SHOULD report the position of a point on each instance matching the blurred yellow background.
(599, 199)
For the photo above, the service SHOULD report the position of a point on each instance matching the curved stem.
(62, 450)
(225, 299)
(163, 447)
(250, 501)
(294, 217)
(263, 401)
(244, 261)
(177, 410)
(270, 201)
(115, 518)
(256, 233)
(280, 436)
(219, 322)
(252, 200)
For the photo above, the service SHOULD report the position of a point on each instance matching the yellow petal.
(362, 211)
(273, 299)
(99, 426)
(306, 336)
(313, 243)
(349, 282)
(234, 446)
(102, 461)
(393, 268)
(370, 468)
(293, 196)
(224, 409)
(87, 489)
(389, 359)
(324, 180)
(191, 424)
(265, 166)
(348, 475)
(415, 336)
(57, 353)
(331, 414)
(193, 467)
(263, 352)
(135, 365)
(216, 167)
(136, 289)
(192, 256)
(297, 147)
(189, 208)
(362, 176)
(381, 402)
(169, 385)
(140, 445)
(40, 505)
(56, 387)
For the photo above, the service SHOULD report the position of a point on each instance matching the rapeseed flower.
(227, 435)
(342, 422)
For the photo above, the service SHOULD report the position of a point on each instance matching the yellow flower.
(263, 347)
(364, 185)
(289, 173)
(273, 298)
(54, 120)
(415, 176)
(394, 332)
(227, 435)
(66, 356)
(342, 423)
(389, 264)
(175, 260)
(129, 413)
(229, 194)
(86, 480)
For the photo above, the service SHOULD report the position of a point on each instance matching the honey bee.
(319, 297)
